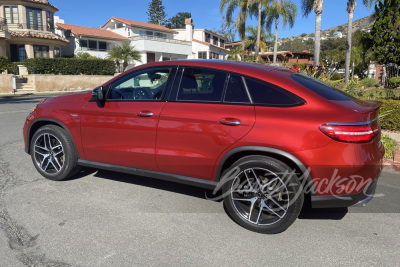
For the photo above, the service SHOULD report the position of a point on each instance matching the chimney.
(189, 29)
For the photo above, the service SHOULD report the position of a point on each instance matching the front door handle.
(230, 121)
(145, 113)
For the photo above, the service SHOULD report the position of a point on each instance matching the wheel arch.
(235, 154)
(43, 122)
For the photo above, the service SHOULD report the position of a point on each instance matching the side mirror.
(97, 94)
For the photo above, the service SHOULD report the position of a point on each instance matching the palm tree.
(236, 53)
(318, 6)
(241, 19)
(126, 53)
(285, 9)
(252, 35)
(351, 6)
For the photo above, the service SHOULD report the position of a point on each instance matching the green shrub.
(390, 146)
(302, 66)
(70, 66)
(368, 82)
(394, 82)
(13, 67)
(390, 115)
(3, 63)
(336, 76)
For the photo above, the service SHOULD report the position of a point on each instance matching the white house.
(155, 42)
(96, 42)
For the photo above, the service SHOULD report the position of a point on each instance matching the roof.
(141, 24)
(42, 2)
(86, 31)
(29, 34)
(282, 53)
(208, 44)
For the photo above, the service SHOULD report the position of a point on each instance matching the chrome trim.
(351, 123)
(228, 122)
(363, 202)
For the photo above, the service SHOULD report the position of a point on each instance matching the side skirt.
(152, 174)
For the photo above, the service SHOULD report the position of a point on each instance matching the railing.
(3, 24)
(159, 39)
(26, 26)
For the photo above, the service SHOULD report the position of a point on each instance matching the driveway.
(109, 219)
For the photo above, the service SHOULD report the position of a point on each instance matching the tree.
(287, 11)
(178, 21)
(318, 6)
(252, 37)
(124, 53)
(385, 33)
(351, 6)
(227, 30)
(236, 53)
(231, 6)
(156, 12)
(255, 7)
(85, 55)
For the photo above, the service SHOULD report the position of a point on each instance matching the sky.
(205, 13)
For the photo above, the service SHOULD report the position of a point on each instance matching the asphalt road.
(109, 219)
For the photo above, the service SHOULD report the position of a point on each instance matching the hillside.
(364, 24)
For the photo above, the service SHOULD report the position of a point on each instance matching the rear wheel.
(53, 153)
(263, 194)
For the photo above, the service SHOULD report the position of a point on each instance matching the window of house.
(160, 35)
(102, 46)
(41, 51)
(222, 43)
(141, 85)
(263, 93)
(203, 55)
(11, 14)
(92, 45)
(50, 21)
(208, 37)
(57, 51)
(34, 18)
(235, 91)
(215, 40)
(110, 46)
(201, 85)
(83, 44)
(119, 25)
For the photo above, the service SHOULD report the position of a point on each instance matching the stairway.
(23, 86)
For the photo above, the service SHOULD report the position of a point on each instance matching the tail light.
(359, 132)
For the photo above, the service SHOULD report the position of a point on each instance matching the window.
(83, 44)
(11, 14)
(160, 35)
(18, 53)
(222, 43)
(144, 85)
(201, 85)
(34, 18)
(92, 45)
(214, 55)
(102, 46)
(119, 25)
(41, 51)
(50, 21)
(235, 91)
(263, 93)
(215, 40)
(322, 89)
(203, 54)
(208, 37)
(57, 51)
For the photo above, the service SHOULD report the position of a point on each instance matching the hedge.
(390, 112)
(70, 66)
(394, 82)
(3, 63)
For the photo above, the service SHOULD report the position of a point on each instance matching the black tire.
(48, 158)
(275, 201)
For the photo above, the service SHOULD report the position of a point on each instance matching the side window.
(142, 85)
(201, 85)
(263, 93)
(235, 91)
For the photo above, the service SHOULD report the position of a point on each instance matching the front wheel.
(262, 194)
(53, 153)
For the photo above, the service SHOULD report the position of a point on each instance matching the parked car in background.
(267, 137)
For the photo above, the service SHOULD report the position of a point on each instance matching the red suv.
(266, 136)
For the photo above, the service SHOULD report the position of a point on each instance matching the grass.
(390, 147)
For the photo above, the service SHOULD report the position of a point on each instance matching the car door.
(198, 123)
(122, 130)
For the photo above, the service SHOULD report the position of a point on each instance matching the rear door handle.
(230, 121)
(145, 113)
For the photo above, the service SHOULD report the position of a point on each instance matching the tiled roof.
(29, 34)
(208, 44)
(42, 2)
(142, 24)
(80, 30)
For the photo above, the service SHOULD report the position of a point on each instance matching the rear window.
(263, 93)
(326, 91)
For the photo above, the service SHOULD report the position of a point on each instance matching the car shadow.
(309, 213)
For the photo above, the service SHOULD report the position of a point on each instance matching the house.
(96, 42)
(304, 57)
(27, 30)
(154, 42)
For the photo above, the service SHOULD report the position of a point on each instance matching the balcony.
(4, 29)
(26, 26)
(161, 45)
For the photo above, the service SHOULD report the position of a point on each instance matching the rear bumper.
(338, 201)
